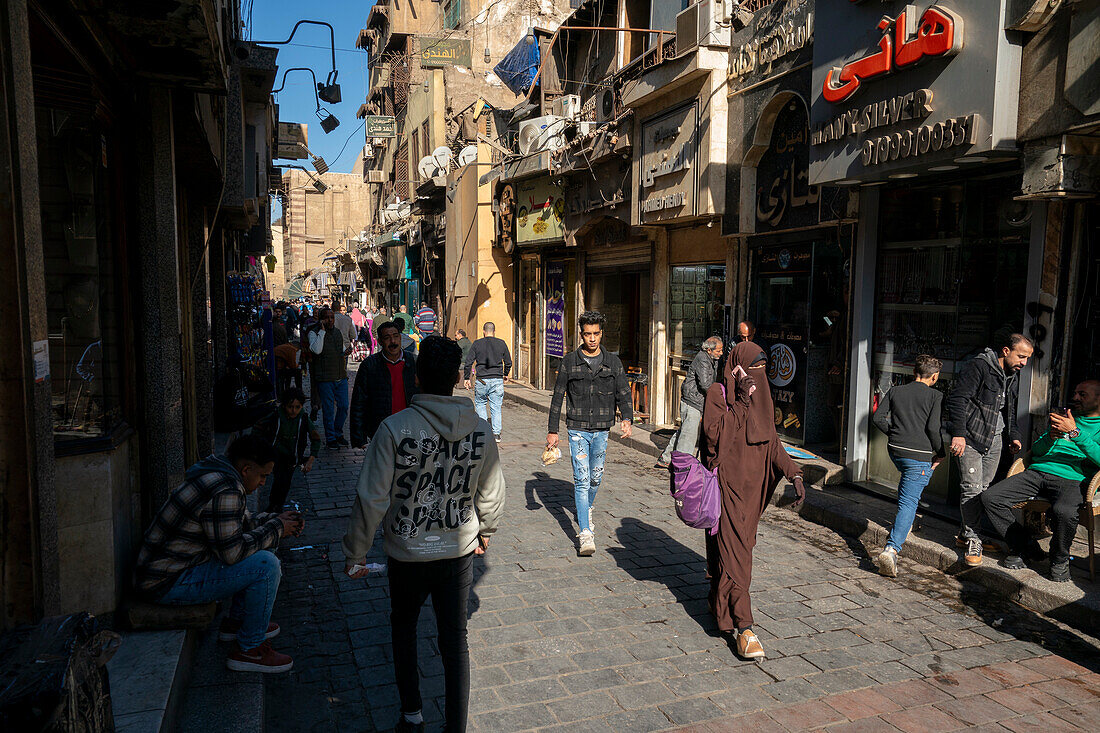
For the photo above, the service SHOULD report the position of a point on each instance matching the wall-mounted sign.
(667, 170)
(920, 86)
(540, 206)
(292, 136)
(438, 52)
(555, 309)
(784, 197)
(772, 42)
(380, 126)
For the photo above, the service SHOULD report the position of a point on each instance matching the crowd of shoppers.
(204, 545)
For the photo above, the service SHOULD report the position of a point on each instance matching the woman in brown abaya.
(739, 428)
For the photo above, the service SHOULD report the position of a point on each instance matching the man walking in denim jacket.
(595, 383)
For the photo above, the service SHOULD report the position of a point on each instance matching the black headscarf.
(760, 420)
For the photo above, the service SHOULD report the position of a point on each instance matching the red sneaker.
(231, 627)
(261, 659)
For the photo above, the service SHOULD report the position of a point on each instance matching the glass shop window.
(79, 250)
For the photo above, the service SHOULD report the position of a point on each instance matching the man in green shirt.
(1063, 462)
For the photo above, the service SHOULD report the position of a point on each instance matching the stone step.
(148, 675)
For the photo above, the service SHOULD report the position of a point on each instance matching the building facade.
(120, 130)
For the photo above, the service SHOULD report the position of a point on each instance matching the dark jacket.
(976, 399)
(371, 397)
(700, 376)
(492, 357)
(267, 427)
(910, 415)
(592, 395)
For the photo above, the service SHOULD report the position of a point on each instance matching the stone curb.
(850, 517)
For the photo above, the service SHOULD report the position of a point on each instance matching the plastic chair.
(1087, 515)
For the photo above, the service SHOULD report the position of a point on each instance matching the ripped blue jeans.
(587, 449)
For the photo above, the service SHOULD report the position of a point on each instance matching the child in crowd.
(288, 428)
(909, 414)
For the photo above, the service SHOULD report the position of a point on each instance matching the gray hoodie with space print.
(432, 478)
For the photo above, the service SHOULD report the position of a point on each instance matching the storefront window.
(951, 275)
(696, 299)
(80, 275)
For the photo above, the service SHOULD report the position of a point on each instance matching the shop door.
(781, 312)
(951, 275)
(625, 299)
(529, 327)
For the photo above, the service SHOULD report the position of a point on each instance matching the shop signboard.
(292, 140)
(782, 329)
(380, 126)
(540, 206)
(668, 172)
(436, 52)
(555, 309)
(902, 88)
(784, 197)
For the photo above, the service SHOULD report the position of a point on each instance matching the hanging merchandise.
(250, 328)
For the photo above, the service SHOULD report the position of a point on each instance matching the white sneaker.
(587, 542)
(888, 563)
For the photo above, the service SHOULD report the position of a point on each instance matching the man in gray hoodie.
(432, 479)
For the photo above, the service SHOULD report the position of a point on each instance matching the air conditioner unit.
(374, 176)
(568, 106)
(605, 105)
(541, 133)
(699, 25)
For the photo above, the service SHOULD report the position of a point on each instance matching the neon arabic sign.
(904, 43)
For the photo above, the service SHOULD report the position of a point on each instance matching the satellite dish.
(467, 155)
(442, 157)
(428, 167)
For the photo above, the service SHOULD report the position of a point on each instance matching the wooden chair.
(1088, 513)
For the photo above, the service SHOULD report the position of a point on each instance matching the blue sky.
(272, 20)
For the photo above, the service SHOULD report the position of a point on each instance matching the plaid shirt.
(204, 518)
(592, 395)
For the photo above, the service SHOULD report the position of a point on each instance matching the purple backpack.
(696, 493)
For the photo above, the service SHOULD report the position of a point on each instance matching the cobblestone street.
(622, 641)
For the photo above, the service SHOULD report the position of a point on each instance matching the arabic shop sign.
(540, 206)
(380, 126)
(784, 197)
(793, 31)
(919, 86)
(438, 52)
(668, 165)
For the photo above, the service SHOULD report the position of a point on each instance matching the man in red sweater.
(384, 385)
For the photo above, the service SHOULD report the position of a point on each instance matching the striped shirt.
(425, 320)
(204, 519)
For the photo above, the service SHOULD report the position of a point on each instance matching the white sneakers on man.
(888, 562)
(587, 543)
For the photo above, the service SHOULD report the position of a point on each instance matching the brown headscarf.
(760, 421)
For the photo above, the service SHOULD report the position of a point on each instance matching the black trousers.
(1065, 496)
(448, 582)
(280, 483)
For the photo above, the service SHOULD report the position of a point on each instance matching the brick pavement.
(622, 641)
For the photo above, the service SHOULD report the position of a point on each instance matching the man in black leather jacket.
(384, 384)
(981, 408)
(693, 393)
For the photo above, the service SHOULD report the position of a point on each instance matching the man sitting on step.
(1063, 461)
(204, 546)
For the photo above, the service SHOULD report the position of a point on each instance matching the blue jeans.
(491, 391)
(334, 407)
(587, 449)
(914, 477)
(252, 583)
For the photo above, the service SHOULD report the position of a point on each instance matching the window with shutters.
(416, 156)
(401, 172)
(452, 13)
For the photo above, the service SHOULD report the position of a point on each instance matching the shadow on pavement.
(556, 496)
(649, 554)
